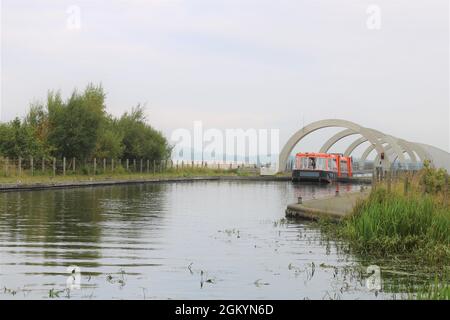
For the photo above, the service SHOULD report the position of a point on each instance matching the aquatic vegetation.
(10, 291)
(204, 279)
(393, 223)
(407, 219)
(280, 222)
(260, 283)
(54, 293)
(117, 279)
(433, 291)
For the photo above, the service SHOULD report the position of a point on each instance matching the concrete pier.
(335, 207)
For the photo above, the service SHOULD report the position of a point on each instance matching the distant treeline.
(80, 127)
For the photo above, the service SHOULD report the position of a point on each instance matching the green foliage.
(74, 125)
(392, 223)
(432, 180)
(17, 140)
(80, 127)
(141, 140)
(110, 140)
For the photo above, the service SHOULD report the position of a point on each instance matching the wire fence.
(10, 167)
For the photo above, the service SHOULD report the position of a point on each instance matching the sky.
(238, 63)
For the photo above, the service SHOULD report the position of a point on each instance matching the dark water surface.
(200, 240)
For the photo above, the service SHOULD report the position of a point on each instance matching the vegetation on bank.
(80, 127)
(121, 174)
(411, 220)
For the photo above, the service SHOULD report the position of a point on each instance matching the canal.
(190, 240)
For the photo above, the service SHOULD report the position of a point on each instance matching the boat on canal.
(321, 167)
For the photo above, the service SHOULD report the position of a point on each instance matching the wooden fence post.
(141, 166)
(73, 165)
(405, 186)
(104, 165)
(446, 191)
(20, 166)
(388, 178)
(43, 164)
(32, 166)
(154, 166)
(54, 166)
(128, 164)
(64, 166)
(95, 166)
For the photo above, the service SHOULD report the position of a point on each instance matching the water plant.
(393, 223)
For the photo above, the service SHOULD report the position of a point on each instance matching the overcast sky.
(238, 63)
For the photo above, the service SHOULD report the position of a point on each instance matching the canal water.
(189, 240)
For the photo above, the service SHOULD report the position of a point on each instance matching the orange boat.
(321, 167)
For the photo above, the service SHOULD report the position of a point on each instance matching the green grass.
(439, 290)
(394, 224)
(47, 177)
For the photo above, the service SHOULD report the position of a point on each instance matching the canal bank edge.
(334, 208)
(11, 187)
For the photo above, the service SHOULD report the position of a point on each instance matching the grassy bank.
(391, 223)
(119, 175)
(406, 219)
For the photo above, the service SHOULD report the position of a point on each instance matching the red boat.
(321, 167)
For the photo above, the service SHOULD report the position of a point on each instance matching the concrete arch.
(411, 146)
(366, 153)
(334, 139)
(401, 143)
(354, 145)
(300, 134)
(422, 153)
(393, 142)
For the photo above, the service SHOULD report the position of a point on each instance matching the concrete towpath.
(335, 207)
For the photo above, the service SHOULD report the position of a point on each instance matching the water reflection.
(180, 240)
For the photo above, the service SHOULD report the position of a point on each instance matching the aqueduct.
(393, 149)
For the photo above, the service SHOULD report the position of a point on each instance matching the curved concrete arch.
(334, 139)
(398, 143)
(393, 142)
(421, 152)
(401, 143)
(354, 145)
(300, 134)
(412, 146)
(366, 153)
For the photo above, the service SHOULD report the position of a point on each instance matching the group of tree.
(80, 127)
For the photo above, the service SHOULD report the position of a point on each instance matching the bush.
(392, 223)
(433, 180)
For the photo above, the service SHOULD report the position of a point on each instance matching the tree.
(17, 140)
(81, 128)
(140, 140)
(74, 125)
(110, 140)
